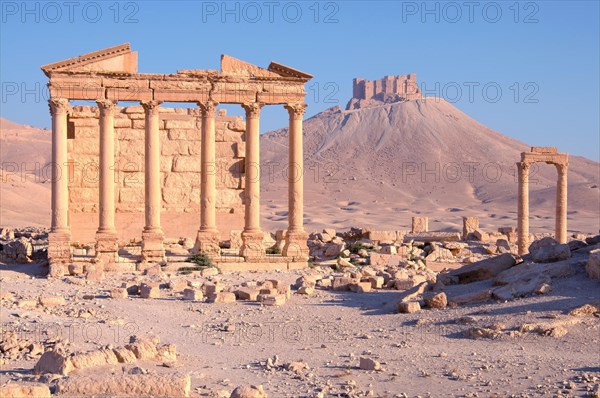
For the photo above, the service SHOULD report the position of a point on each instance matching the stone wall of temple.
(180, 131)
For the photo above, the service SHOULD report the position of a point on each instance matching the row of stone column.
(523, 206)
(208, 237)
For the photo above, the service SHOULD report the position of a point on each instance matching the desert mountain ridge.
(383, 162)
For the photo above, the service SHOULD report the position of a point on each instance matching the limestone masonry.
(386, 90)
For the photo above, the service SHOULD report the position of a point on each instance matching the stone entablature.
(169, 146)
(238, 82)
(548, 155)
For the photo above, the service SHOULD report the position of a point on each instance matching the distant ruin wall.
(180, 131)
(403, 86)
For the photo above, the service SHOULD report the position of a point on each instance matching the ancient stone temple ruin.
(551, 156)
(145, 172)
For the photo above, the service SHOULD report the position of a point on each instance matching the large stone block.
(83, 195)
(180, 124)
(470, 225)
(483, 269)
(240, 149)
(179, 196)
(126, 385)
(224, 150)
(382, 236)
(87, 132)
(420, 224)
(227, 198)
(174, 147)
(131, 134)
(131, 195)
(84, 122)
(223, 134)
(184, 134)
(122, 122)
(593, 265)
(86, 146)
(181, 180)
(22, 390)
(187, 163)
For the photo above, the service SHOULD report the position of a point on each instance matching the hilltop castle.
(386, 90)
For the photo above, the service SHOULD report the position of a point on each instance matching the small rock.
(249, 392)
(369, 364)
(193, 295)
(409, 307)
(435, 300)
(222, 298)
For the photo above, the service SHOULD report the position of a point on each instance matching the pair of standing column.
(152, 235)
(523, 206)
(252, 236)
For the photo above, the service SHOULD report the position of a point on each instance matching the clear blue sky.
(542, 55)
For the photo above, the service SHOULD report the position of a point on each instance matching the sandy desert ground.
(312, 345)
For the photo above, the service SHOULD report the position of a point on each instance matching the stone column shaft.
(208, 185)
(106, 236)
(59, 247)
(252, 235)
(296, 237)
(152, 167)
(60, 181)
(107, 162)
(561, 203)
(296, 171)
(523, 208)
(152, 236)
(207, 240)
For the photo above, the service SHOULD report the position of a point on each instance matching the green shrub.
(189, 270)
(201, 259)
(273, 250)
(356, 246)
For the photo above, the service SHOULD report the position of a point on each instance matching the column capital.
(58, 106)
(106, 107)
(252, 109)
(561, 168)
(151, 106)
(524, 166)
(208, 107)
(296, 110)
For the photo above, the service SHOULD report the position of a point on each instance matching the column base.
(107, 247)
(153, 249)
(252, 246)
(207, 242)
(59, 253)
(296, 246)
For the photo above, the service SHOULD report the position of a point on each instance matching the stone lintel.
(544, 149)
(183, 88)
(552, 158)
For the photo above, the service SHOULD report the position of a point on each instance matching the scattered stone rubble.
(60, 361)
(17, 245)
(16, 344)
(435, 272)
